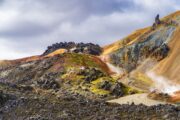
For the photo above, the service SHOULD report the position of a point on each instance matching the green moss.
(129, 90)
(75, 59)
(96, 90)
(77, 82)
(95, 82)
(109, 79)
(95, 87)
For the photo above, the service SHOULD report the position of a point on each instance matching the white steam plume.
(114, 69)
(163, 84)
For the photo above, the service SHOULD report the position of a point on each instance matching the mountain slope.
(77, 73)
(75, 81)
(170, 66)
(154, 49)
(124, 42)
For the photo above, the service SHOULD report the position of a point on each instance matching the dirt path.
(137, 99)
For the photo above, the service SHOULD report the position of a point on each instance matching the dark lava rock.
(117, 89)
(105, 85)
(48, 81)
(161, 52)
(91, 74)
(81, 108)
(87, 48)
(25, 88)
(3, 98)
(157, 20)
(159, 96)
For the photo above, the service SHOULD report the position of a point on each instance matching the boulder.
(117, 89)
(48, 81)
(161, 52)
(91, 74)
(105, 85)
(3, 98)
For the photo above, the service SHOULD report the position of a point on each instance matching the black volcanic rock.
(87, 48)
(3, 98)
(157, 20)
(48, 81)
(91, 74)
(117, 89)
(80, 108)
(161, 52)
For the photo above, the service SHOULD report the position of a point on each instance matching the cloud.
(28, 26)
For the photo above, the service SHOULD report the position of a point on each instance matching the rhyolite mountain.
(73, 80)
(155, 48)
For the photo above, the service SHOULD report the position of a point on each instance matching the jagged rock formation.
(157, 20)
(3, 98)
(156, 23)
(88, 48)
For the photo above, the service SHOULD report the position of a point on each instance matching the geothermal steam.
(114, 69)
(162, 84)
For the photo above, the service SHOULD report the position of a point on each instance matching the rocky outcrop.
(87, 48)
(48, 81)
(117, 89)
(160, 52)
(106, 85)
(159, 96)
(3, 98)
(157, 20)
(91, 74)
(152, 45)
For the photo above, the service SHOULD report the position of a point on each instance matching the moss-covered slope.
(75, 73)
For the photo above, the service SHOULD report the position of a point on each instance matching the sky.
(27, 27)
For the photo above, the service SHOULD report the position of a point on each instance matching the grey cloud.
(30, 25)
(25, 29)
(76, 10)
